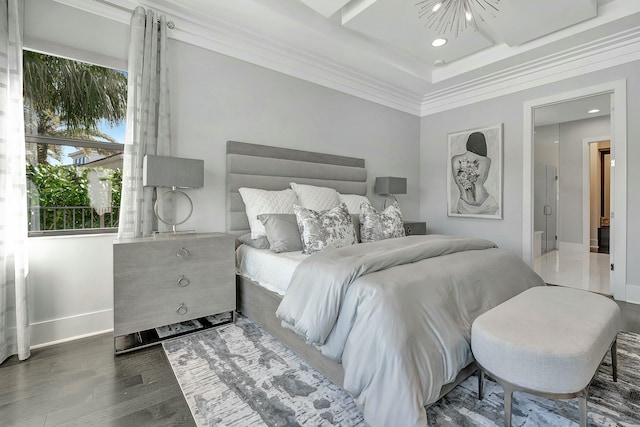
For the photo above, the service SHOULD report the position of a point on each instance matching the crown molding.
(396, 87)
(238, 42)
(617, 49)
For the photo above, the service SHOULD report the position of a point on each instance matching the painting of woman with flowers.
(475, 173)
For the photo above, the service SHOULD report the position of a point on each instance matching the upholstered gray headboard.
(273, 168)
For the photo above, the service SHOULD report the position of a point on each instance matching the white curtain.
(14, 321)
(148, 128)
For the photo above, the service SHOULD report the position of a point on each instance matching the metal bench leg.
(508, 392)
(614, 360)
(480, 383)
(582, 400)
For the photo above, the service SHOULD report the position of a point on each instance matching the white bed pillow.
(353, 202)
(316, 198)
(325, 230)
(259, 202)
(376, 225)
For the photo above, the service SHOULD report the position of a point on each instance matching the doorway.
(617, 270)
(563, 196)
(599, 195)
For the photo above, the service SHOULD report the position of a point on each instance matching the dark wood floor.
(82, 383)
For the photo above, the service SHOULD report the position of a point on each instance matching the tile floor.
(589, 271)
(586, 270)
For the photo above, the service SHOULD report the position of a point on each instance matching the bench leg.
(508, 393)
(480, 383)
(582, 400)
(614, 360)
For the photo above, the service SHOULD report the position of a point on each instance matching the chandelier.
(448, 16)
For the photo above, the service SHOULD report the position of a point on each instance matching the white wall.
(509, 110)
(546, 149)
(571, 173)
(214, 98)
(232, 100)
(70, 286)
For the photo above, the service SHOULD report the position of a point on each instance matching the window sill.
(94, 232)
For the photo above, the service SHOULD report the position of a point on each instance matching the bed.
(273, 168)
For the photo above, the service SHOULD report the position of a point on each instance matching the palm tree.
(67, 98)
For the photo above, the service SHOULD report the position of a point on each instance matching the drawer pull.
(409, 231)
(183, 281)
(183, 252)
(182, 310)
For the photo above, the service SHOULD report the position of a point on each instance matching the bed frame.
(273, 168)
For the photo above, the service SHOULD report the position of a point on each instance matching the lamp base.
(162, 234)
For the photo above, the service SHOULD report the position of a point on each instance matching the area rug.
(239, 375)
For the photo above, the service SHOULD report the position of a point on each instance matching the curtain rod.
(170, 24)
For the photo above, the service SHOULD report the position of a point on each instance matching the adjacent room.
(319, 212)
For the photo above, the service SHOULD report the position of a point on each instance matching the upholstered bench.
(548, 341)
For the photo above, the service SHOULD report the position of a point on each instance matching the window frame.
(54, 140)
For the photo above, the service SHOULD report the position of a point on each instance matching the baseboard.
(572, 247)
(70, 328)
(633, 294)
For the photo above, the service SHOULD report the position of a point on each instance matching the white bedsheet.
(269, 269)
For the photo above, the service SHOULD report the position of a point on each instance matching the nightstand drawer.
(171, 307)
(412, 228)
(136, 284)
(171, 254)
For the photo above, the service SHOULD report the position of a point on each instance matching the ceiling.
(381, 50)
(569, 111)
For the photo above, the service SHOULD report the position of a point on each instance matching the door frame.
(586, 189)
(619, 175)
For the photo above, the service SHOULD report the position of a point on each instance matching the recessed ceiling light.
(556, 142)
(595, 110)
(436, 7)
(438, 42)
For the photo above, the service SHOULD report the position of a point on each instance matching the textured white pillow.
(353, 202)
(316, 198)
(259, 202)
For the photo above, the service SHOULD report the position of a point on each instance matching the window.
(74, 132)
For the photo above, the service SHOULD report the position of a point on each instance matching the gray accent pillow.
(325, 230)
(376, 225)
(282, 232)
(259, 243)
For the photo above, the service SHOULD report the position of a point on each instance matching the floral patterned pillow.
(325, 230)
(376, 225)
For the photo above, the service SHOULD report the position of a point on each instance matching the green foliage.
(74, 93)
(67, 186)
(69, 99)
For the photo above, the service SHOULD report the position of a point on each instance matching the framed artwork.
(474, 173)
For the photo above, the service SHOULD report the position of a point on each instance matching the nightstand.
(412, 228)
(179, 279)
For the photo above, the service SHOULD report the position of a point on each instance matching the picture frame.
(474, 173)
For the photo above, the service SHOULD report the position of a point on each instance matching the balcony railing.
(70, 219)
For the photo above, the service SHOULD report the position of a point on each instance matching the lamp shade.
(164, 171)
(390, 185)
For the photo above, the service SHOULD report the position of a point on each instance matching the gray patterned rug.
(239, 375)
